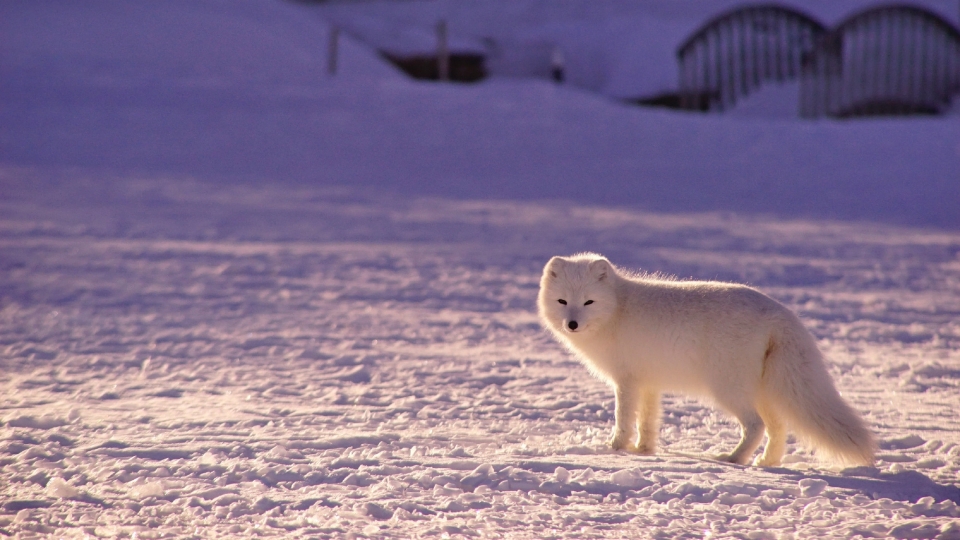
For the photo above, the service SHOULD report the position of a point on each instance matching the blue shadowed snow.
(219, 90)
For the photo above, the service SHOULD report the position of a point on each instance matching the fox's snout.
(572, 320)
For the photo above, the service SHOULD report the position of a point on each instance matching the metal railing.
(892, 59)
(734, 53)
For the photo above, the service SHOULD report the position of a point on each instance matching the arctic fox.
(746, 351)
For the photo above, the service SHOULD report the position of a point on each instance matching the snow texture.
(242, 298)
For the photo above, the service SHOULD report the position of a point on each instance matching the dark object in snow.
(169, 393)
(156, 454)
(557, 65)
(307, 503)
(90, 499)
(14, 506)
(674, 100)
(463, 66)
(557, 73)
(265, 504)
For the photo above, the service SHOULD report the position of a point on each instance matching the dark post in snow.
(557, 64)
(443, 51)
(332, 50)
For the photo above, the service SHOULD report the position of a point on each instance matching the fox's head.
(577, 294)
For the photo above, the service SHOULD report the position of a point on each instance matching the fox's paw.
(644, 449)
(764, 461)
(621, 443)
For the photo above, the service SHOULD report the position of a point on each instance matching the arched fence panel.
(734, 53)
(893, 59)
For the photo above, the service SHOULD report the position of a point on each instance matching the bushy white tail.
(801, 390)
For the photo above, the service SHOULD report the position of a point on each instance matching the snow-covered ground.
(240, 298)
(189, 361)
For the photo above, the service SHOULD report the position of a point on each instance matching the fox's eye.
(588, 302)
(562, 301)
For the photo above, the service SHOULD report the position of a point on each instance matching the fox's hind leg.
(751, 433)
(776, 439)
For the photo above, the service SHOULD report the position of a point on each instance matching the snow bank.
(240, 92)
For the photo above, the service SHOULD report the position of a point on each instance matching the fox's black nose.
(572, 325)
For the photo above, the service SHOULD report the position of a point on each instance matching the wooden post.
(443, 52)
(332, 53)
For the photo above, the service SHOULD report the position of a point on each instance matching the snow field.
(205, 334)
(247, 361)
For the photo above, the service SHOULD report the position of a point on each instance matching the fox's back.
(696, 302)
(689, 333)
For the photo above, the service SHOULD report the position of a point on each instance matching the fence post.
(443, 51)
(332, 53)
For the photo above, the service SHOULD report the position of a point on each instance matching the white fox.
(750, 354)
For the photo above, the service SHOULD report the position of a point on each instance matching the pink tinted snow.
(241, 297)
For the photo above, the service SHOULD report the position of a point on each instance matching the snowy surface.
(241, 298)
(192, 361)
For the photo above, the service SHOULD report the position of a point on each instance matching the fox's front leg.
(649, 423)
(627, 406)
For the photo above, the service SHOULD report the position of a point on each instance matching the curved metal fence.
(893, 59)
(734, 53)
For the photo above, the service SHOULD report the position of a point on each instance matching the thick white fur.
(750, 354)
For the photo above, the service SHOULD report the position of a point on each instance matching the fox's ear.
(553, 265)
(601, 268)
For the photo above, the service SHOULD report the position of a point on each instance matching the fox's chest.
(600, 354)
